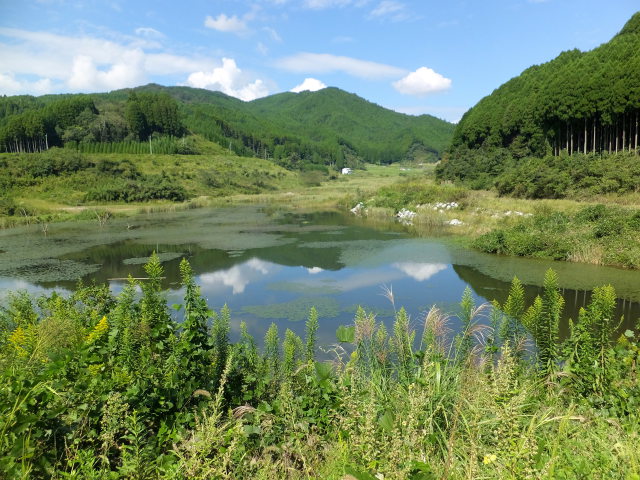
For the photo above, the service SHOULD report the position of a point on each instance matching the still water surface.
(273, 266)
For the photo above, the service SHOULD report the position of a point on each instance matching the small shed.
(346, 171)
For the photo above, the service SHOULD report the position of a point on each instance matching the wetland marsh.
(273, 265)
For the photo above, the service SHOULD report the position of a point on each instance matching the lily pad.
(296, 310)
(164, 257)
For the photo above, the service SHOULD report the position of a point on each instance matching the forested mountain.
(296, 130)
(580, 102)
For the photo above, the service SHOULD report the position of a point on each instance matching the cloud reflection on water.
(238, 276)
(420, 271)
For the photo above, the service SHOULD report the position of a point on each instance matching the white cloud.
(166, 64)
(322, 4)
(149, 32)
(390, 10)
(10, 86)
(315, 270)
(422, 82)
(420, 271)
(222, 23)
(310, 84)
(327, 63)
(82, 63)
(229, 79)
(128, 71)
(387, 8)
(273, 34)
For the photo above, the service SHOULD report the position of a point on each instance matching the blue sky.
(436, 57)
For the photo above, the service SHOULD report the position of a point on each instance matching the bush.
(555, 235)
(153, 187)
(412, 193)
(546, 177)
(7, 206)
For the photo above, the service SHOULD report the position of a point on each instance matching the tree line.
(580, 102)
(29, 124)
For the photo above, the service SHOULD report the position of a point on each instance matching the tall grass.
(97, 386)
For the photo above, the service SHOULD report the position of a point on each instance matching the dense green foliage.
(29, 124)
(574, 176)
(95, 386)
(595, 234)
(148, 113)
(295, 130)
(580, 102)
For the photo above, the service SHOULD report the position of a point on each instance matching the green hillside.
(305, 130)
(579, 103)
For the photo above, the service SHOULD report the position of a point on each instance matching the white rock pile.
(406, 216)
(359, 209)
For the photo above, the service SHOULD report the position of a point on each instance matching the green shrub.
(152, 187)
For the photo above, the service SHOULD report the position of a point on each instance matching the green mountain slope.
(327, 126)
(580, 102)
(296, 130)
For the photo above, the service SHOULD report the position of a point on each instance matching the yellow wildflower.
(490, 458)
(18, 339)
(95, 368)
(101, 327)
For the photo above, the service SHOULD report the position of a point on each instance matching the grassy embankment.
(597, 229)
(97, 387)
(62, 185)
(65, 185)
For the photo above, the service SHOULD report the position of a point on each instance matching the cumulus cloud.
(310, 84)
(86, 76)
(10, 86)
(222, 23)
(229, 79)
(422, 82)
(82, 63)
(326, 63)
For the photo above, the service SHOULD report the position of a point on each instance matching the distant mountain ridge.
(329, 122)
(329, 126)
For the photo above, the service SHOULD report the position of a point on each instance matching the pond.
(272, 266)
